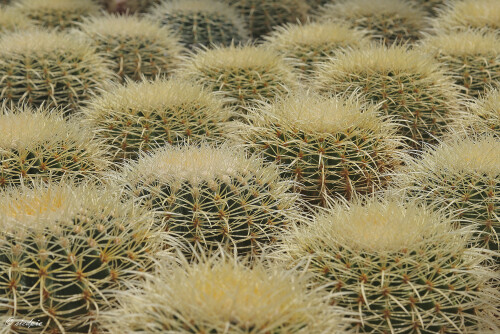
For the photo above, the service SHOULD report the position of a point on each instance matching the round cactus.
(224, 296)
(471, 57)
(55, 69)
(389, 21)
(11, 20)
(465, 14)
(136, 46)
(61, 247)
(310, 44)
(331, 147)
(41, 145)
(60, 14)
(401, 267)
(462, 175)
(242, 74)
(136, 117)
(409, 84)
(212, 196)
(263, 15)
(202, 22)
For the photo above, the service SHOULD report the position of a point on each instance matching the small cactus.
(462, 175)
(136, 117)
(11, 20)
(263, 15)
(409, 84)
(224, 296)
(51, 68)
(330, 147)
(313, 43)
(202, 22)
(471, 57)
(61, 14)
(243, 74)
(212, 196)
(465, 14)
(388, 21)
(61, 247)
(40, 145)
(136, 46)
(400, 267)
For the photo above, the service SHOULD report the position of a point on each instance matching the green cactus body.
(61, 14)
(54, 69)
(263, 15)
(310, 44)
(11, 20)
(244, 75)
(409, 85)
(400, 267)
(465, 14)
(331, 147)
(137, 47)
(471, 57)
(224, 296)
(388, 21)
(210, 197)
(61, 247)
(463, 176)
(202, 22)
(136, 117)
(42, 146)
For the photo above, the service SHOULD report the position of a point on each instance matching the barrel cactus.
(263, 15)
(209, 196)
(313, 43)
(432, 6)
(243, 74)
(128, 6)
(465, 14)
(11, 20)
(409, 84)
(401, 267)
(61, 14)
(134, 118)
(471, 57)
(61, 247)
(136, 46)
(40, 145)
(51, 68)
(462, 175)
(388, 21)
(224, 296)
(202, 22)
(329, 146)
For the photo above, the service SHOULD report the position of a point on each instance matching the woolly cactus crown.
(461, 15)
(224, 295)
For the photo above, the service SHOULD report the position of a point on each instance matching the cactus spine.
(465, 14)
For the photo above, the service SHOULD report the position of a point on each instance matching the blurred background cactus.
(11, 20)
(139, 116)
(136, 46)
(60, 247)
(202, 22)
(127, 6)
(465, 14)
(51, 68)
(212, 197)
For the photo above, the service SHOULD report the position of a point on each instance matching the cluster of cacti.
(308, 45)
(465, 14)
(209, 196)
(202, 22)
(329, 146)
(51, 68)
(136, 46)
(243, 74)
(263, 15)
(471, 57)
(462, 176)
(407, 83)
(140, 116)
(400, 267)
(61, 14)
(40, 145)
(11, 20)
(388, 21)
(224, 296)
(61, 247)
